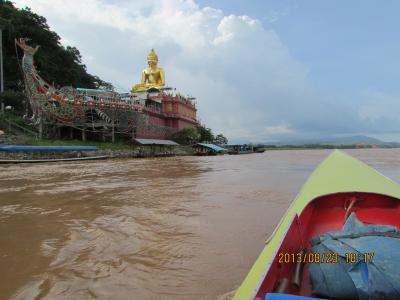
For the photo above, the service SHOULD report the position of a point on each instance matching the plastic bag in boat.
(362, 279)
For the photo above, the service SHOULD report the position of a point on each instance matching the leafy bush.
(186, 136)
(17, 100)
(206, 134)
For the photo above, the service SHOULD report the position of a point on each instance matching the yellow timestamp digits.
(308, 257)
(355, 257)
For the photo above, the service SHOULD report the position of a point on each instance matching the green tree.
(186, 136)
(57, 64)
(17, 100)
(220, 139)
(206, 134)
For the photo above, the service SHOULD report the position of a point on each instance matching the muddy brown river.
(170, 228)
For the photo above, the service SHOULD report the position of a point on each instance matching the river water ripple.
(171, 228)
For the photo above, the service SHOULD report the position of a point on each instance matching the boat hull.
(321, 215)
(320, 207)
(21, 161)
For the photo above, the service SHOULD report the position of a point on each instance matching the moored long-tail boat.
(44, 154)
(340, 187)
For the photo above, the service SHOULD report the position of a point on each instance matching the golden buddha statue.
(153, 77)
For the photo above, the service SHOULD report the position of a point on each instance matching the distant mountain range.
(349, 140)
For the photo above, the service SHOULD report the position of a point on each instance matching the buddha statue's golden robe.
(153, 77)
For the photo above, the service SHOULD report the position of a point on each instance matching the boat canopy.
(156, 142)
(212, 147)
(15, 148)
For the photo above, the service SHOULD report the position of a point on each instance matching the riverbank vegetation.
(191, 136)
(17, 23)
(328, 146)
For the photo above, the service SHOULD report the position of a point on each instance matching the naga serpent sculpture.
(79, 108)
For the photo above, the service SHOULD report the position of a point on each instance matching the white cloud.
(379, 106)
(278, 129)
(247, 83)
(273, 16)
(379, 113)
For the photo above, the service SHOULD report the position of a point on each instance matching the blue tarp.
(14, 148)
(367, 278)
(213, 147)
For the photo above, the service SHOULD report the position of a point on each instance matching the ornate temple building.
(164, 107)
(151, 111)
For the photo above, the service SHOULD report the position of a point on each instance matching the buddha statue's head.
(152, 59)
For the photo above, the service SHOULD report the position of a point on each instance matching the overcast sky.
(262, 71)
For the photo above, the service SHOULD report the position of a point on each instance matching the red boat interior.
(323, 214)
